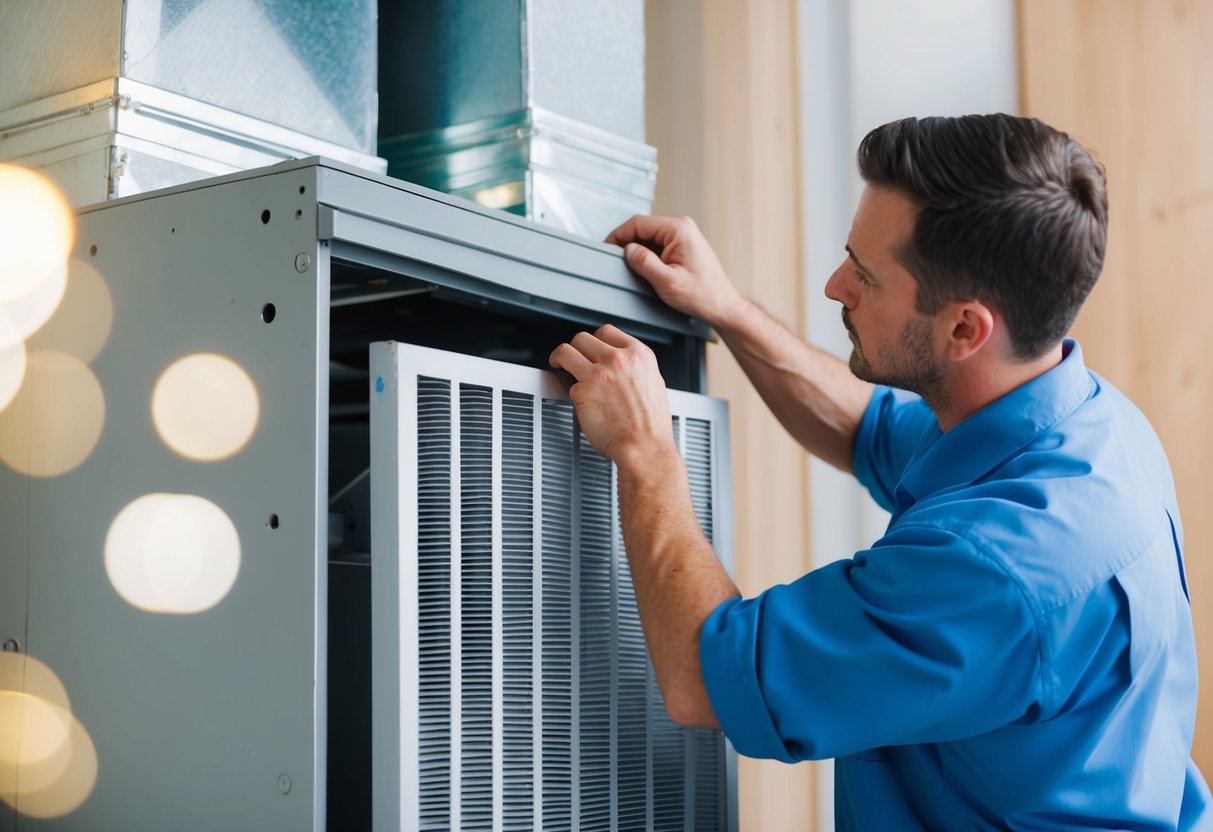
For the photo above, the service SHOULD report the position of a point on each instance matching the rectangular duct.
(533, 106)
(512, 688)
(305, 66)
(116, 97)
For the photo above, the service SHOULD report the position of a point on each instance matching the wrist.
(731, 314)
(646, 460)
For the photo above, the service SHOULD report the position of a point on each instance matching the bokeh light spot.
(53, 423)
(36, 230)
(12, 362)
(48, 764)
(172, 553)
(58, 785)
(205, 407)
(22, 672)
(28, 313)
(32, 734)
(81, 325)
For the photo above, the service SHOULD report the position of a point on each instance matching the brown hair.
(1010, 212)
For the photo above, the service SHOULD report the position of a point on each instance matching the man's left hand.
(619, 394)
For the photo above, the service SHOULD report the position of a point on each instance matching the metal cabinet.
(233, 690)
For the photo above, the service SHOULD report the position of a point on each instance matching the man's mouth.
(846, 322)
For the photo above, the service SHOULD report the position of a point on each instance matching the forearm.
(812, 393)
(678, 579)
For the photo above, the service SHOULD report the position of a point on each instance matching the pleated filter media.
(512, 687)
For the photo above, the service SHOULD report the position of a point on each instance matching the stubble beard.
(909, 365)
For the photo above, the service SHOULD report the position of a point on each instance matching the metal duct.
(533, 106)
(115, 97)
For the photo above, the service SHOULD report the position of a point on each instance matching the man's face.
(893, 343)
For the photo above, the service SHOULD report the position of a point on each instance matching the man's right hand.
(672, 254)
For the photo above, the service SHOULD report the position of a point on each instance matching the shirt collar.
(992, 434)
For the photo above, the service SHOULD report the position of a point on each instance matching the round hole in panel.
(265, 217)
(269, 312)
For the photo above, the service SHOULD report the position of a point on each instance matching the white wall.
(864, 63)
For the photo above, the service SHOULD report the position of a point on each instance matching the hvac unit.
(394, 595)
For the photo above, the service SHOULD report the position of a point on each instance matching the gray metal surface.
(587, 62)
(383, 221)
(119, 137)
(51, 47)
(447, 62)
(511, 686)
(532, 106)
(536, 163)
(305, 66)
(195, 718)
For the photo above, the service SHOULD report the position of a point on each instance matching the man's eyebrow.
(858, 262)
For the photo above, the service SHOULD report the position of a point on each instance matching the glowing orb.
(205, 407)
(172, 553)
(36, 231)
(53, 423)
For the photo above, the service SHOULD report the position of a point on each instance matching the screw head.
(12, 646)
(302, 261)
(284, 783)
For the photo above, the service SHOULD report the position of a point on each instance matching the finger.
(591, 346)
(624, 233)
(646, 263)
(614, 336)
(642, 228)
(566, 357)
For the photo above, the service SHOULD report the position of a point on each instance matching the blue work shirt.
(1015, 652)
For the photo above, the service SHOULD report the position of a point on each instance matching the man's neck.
(973, 386)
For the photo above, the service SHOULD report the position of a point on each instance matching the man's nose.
(837, 289)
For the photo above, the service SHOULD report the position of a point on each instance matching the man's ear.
(967, 327)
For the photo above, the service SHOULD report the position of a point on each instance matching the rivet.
(284, 783)
(12, 646)
(302, 261)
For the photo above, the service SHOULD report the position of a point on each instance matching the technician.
(1016, 652)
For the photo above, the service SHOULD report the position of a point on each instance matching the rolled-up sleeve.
(729, 639)
(922, 638)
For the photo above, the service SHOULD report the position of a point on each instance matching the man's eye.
(862, 278)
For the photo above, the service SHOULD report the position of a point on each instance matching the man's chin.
(859, 367)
